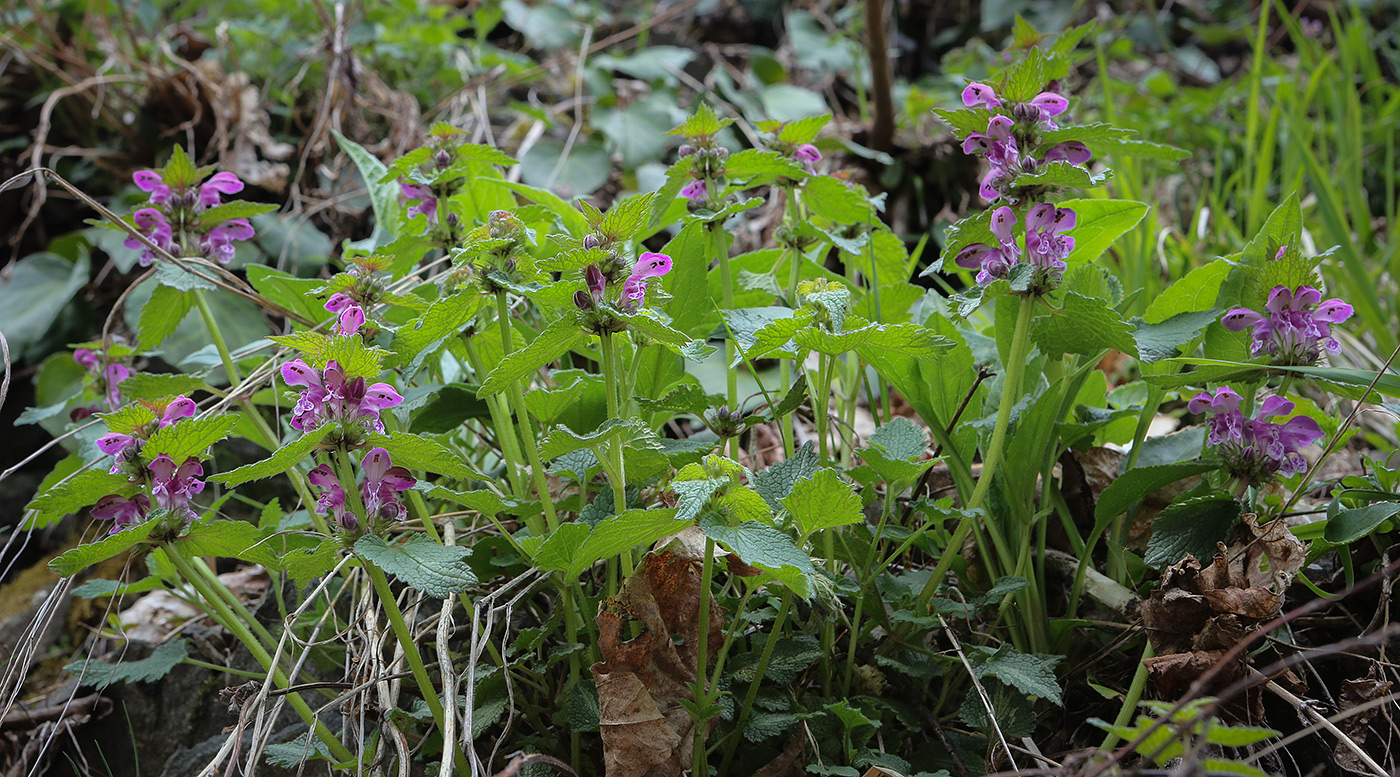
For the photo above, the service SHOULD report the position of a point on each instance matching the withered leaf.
(1355, 693)
(642, 681)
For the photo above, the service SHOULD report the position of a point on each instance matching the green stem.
(236, 604)
(527, 429)
(500, 419)
(221, 613)
(737, 735)
(702, 694)
(1131, 699)
(719, 247)
(616, 469)
(230, 369)
(791, 217)
(1010, 392)
(351, 486)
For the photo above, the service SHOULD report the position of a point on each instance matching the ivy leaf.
(553, 341)
(822, 501)
(84, 556)
(436, 570)
(280, 461)
(1191, 526)
(1030, 673)
(424, 453)
(760, 545)
(100, 674)
(190, 437)
(1084, 326)
(161, 316)
(776, 483)
(574, 547)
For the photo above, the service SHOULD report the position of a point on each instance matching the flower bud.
(1025, 112)
(509, 265)
(686, 150)
(590, 241)
(582, 301)
(720, 152)
(442, 158)
(453, 219)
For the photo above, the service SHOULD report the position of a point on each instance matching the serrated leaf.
(1196, 291)
(574, 547)
(1061, 175)
(305, 564)
(1163, 340)
(964, 121)
(1082, 325)
(1238, 735)
(280, 461)
(761, 545)
(757, 166)
(1142, 149)
(551, 343)
(80, 491)
(652, 328)
(100, 674)
(436, 570)
(894, 449)
(84, 556)
(128, 419)
(444, 317)
(1031, 673)
(685, 398)
(631, 432)
(1191, 526)
(148, 385)
(701, 124)
(1084, 133)
(976, 228)
(190, 437)
(98, 588)
(693, 495)
(449, 407)
(775, 483)
(423, 453)
(1098, 224)
(161, 316)
(238, 209)
(837, 201)
(229, 539)
(822, 501)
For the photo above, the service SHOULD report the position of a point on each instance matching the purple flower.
(649, 265)
(980, 96)
(151, 181)
(114, 375)
(219, 183)
(992, 262)
(122, 447)
(351, 319)
(1002, 154)
(179, 407)
(123, 513)
(173, 487)
(328, 396)
(86, 359)
(151, 223)
(1294, 329)
(381, 485)
(332, 499)
(1046, 247)
(695, 191)
(808, 155)
(1255, 448)
(1072, 151)
(218, 244)
(1049, 105)
(428, 204)
(338, 302)
(596, 281)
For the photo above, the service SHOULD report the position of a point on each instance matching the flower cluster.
(108, 379)
(1254, 448)
(125, 447)
(172, 216)
(1011, 143)
(378, 491)
(173, 488)
(649, 265)
(1295, 328)
(424, 197)
(1046, 246)
(351, 317)
(327, 395)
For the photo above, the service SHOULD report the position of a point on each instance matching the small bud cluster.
(706, 169)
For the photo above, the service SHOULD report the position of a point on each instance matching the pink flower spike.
(219, 183)
(151, 181)
(979, 96)
(179, 407)
(351, 319)
(338, 302)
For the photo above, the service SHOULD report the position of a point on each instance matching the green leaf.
(1026, 77)
(757, 167)
(1098, 224)
(1163, 340)
(305, 564)
(652, 328)
(685, 398)
(190, 437)
(161, 315)
(384, 196)
(436, 570)
(1031, 673)
(761, 545)
(100, 674)
(33, 292)
(837, 201)
(80, 491)
(1083, 133)
(449, 407)
(413, 341)
(283, 459)
(631, 432)
(574, 547)
(976, 228)
(238, 209)
(181, 278)
(553, 341)
(1062, 175)
(84, 556)
(569, 216)
(1143, 149)
(1132, 486)
(964, 121)
(1348, 526)
(230, 539)
(425, 454)
(894, 449)
(1194, 292)
(1237, 735)
(776, 483)
(129, 418)
(704, 123)
(98, 588)
(1191, 526)
(148, 385)
(299, 295)
(822, 501)
(1084, 326)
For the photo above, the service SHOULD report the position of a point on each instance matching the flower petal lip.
(652, 265)
(1050, 103)
(1040, 216)
(1333, 311)
(1003, 221)
(338, 302)
(979, 95)
(1239, 318)
(179, 407)
(298, 373)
